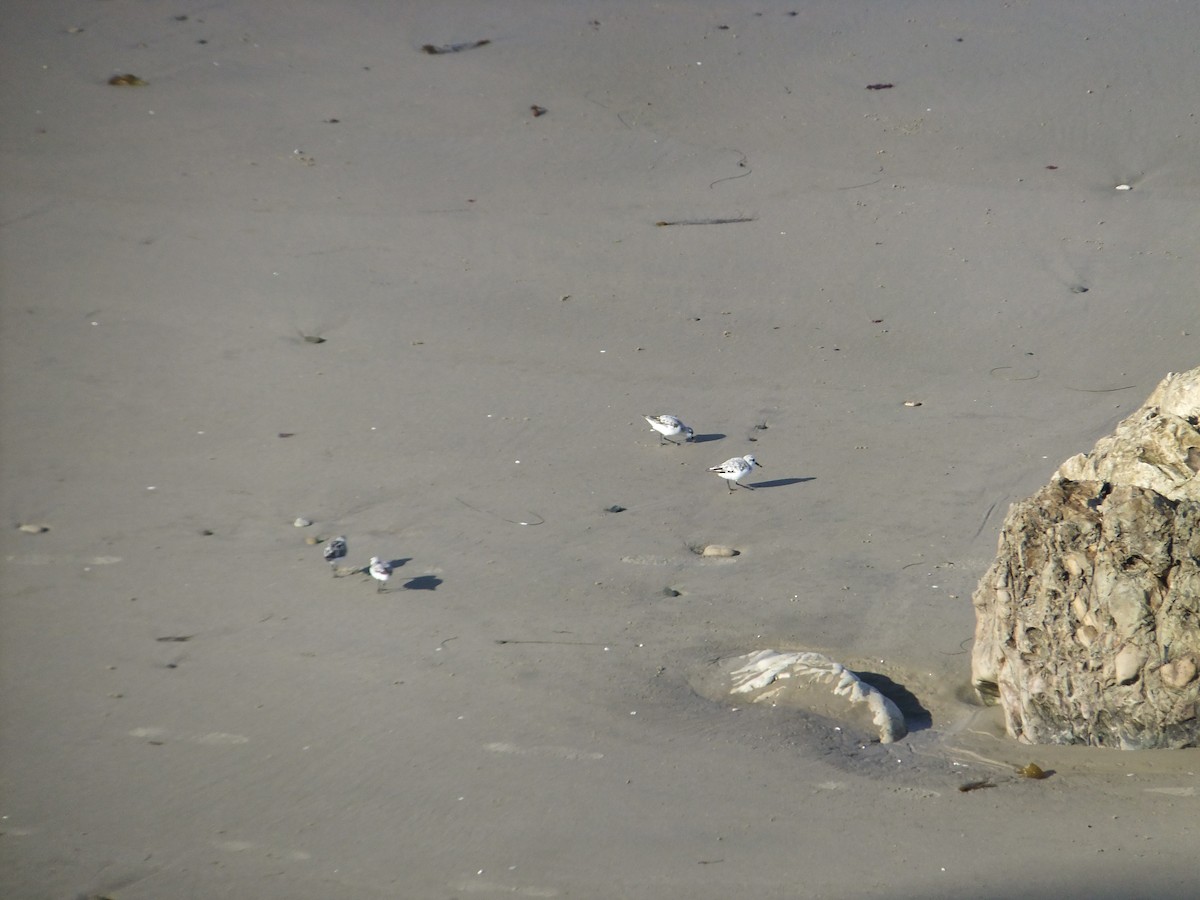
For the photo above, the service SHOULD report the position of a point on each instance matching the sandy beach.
(310, 271)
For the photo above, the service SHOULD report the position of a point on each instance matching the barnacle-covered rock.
(1088, 621)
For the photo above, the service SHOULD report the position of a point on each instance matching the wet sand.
(910, 303)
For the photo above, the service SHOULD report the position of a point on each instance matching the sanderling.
(669, 427)
(380, 571)
(734, 470)
(335, 550)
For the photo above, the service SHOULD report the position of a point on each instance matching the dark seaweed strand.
(707, 221)
(454, 48)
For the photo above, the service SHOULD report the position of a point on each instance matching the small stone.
(1178, 674)
(1128, 664)
(718, 550)
(302, 522)
(313, 539)
(33, 529)
(912, 403)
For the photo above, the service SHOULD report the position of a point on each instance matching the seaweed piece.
(433, 50)
(706, 221)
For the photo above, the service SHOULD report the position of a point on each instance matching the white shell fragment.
(912, 402)
(754, 673)
(30, 528)
(1123, 187)
(302, 522)
(718, 550)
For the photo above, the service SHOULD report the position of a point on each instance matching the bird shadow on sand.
(707, 438)
(422, 583)
(397, 563)
(780, 482)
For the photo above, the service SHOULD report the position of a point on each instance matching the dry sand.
(193, 707)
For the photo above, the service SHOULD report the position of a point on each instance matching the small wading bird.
(335, 550)
(669, 427)
(380, 571)
(734, 470)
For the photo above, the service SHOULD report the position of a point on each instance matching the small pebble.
(718, 550)
(33, 529)
(912, 403)
(302, 522)
(1124, 187)
(313, 539)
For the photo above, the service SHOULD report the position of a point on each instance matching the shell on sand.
(718, 550)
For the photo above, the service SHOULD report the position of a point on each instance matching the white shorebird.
(335, 550)
(669, 427)
(734, 470)
(380, 571)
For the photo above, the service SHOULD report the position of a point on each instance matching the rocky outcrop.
(1088, 621)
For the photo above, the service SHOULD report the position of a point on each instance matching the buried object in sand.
(813, 681)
